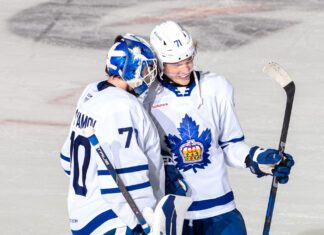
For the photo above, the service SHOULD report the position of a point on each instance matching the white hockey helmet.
(171, 43)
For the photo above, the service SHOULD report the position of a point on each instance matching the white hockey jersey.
(198, 127)
(95, 203)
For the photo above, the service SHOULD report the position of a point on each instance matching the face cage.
(150, 68)
(145, 73)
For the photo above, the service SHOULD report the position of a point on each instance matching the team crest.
(191, 150)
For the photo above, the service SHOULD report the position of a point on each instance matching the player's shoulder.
(104, 96)
(118, 98)
(155, 91)
(214, 84)
(209, 78)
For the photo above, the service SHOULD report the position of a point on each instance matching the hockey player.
(95, 203)
(200, 135)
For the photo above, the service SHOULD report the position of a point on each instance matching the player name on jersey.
(81, 120)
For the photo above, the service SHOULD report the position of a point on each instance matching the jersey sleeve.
(155, 159)
(65, 154)
(132, 144)
(231, 138)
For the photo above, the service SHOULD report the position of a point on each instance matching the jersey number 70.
(75, 154)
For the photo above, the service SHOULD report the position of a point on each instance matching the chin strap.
(200, 100)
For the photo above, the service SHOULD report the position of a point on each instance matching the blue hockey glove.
(282, 171)
(269, 162)
(174, 182)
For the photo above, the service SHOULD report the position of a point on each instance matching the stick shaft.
(290, 92)
(95, 143)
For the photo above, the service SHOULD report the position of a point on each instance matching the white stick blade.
(275, 71)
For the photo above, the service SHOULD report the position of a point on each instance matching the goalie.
(95, 203)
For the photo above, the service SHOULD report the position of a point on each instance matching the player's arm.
(67, 149)
(65, 156)
(260, 161)
(118, 137)
(231, 138)
(152, 150)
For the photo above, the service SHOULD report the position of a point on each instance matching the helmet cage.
(134, 61)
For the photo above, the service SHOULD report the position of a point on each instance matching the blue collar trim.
(174, 87)
(103, 85)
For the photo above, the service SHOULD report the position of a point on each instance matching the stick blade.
(278, 73)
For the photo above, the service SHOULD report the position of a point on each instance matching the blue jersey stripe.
(65, 158)
(67, 172)
(226, 143)
(129, 188)
(209, 203)
(125, 170)
(95, 223)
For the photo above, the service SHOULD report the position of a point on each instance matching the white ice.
(41, 82)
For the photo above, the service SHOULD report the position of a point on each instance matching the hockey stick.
(170, 211)
(276, 72)
(90, 134)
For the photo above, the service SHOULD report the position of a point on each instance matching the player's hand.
(282, 170)
(269, 162)
(174, 181)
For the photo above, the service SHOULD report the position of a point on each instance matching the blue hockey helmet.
(132, 59)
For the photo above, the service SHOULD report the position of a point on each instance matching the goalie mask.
(172, 43)
(132, 59)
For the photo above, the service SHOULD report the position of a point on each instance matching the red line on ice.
(32, 122)
(196, 12)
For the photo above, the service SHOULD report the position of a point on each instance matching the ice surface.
(51, 49)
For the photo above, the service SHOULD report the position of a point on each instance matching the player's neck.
(118, 82)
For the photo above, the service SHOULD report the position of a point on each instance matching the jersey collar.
(103, 85)
(167, 83)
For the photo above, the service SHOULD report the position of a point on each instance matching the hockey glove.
(174, 181)
(269, 162)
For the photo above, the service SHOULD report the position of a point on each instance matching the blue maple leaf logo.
(190, 150)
